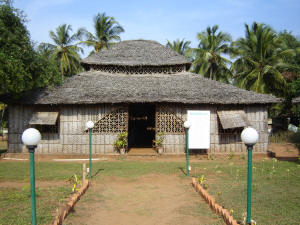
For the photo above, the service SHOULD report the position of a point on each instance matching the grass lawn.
(275, 189)
(15, 203)
(276, 185)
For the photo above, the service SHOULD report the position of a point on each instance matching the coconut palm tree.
(179, 46)
(63, 50)
(260, 60)
(209, 60)
(107, 30)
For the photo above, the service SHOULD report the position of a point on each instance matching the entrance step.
(142, 152)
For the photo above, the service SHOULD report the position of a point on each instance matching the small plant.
(121, 143)
(230, 157)
(237, 174)
(211, 157)
(158, 142)
(201, 181)
(273, 170)
(242, 157)
(75, 182)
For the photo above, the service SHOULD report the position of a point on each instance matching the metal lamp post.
(187, 125)
(249, 136)
(89, 125)
(31, 137)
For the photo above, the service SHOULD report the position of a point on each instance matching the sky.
(161, 20)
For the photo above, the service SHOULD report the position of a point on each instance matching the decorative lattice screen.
(113, 122)
(139, 69)
(169, 122)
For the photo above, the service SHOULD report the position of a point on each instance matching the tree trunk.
(210, 73)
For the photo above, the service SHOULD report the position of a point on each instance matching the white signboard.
(199, 132)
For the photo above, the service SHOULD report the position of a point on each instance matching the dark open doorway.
(141, 126)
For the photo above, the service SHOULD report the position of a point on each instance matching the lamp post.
(89, 125)
(187, 125)
(31, 137)
(249, 136)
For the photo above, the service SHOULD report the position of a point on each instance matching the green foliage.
(63, 51)
(21, 67)
(260, 60)
(291, 42)
(179, 46)
(208, 56)
(75, 182)
(107, 30)
(160, 139)
(122, 141)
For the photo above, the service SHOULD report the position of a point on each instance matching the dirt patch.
(152, 199)
(284, 151)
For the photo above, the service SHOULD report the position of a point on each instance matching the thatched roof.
(296, 100)
(94, 87)
(136, 53)
(146, 84)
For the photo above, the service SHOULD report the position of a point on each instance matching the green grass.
(61, 171)
(19, 171)
(15, 204)
(275, 194)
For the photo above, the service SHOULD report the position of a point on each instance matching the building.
(141, 87)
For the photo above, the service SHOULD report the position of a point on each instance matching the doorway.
(141, 130)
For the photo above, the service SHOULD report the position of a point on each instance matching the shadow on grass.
(98, 171)
(182, 169)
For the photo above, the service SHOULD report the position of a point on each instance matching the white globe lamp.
(187, 124)
(89, 125)
(31, 137)
(249, 136)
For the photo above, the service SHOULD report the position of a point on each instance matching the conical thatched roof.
(144, 83)
(136, 53)
(296, 100)
(93, 87)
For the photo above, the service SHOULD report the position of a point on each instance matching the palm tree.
(179, 46)
(63, 50)
(260, 59)
(208, 56)
(107, 30)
